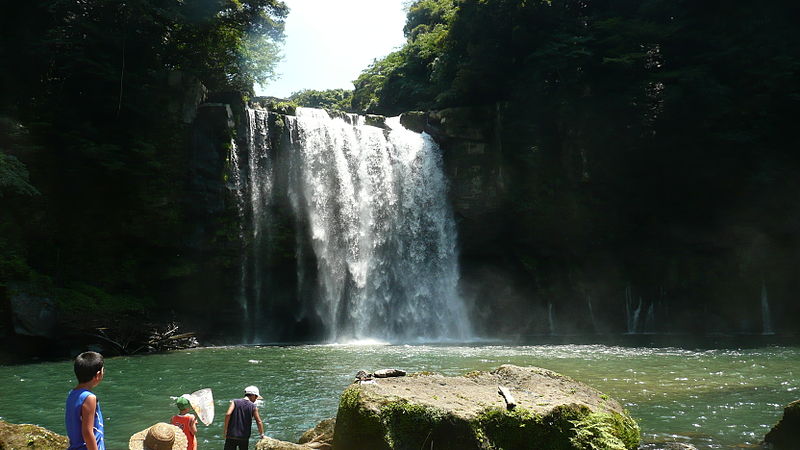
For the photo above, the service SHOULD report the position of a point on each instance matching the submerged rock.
(786, 433)
(318, 438)
(13, 436)
(420, 411)
(667, 446)
(269, 443)
(321, 436)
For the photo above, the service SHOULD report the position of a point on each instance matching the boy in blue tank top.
(239, 420)
(82, 415)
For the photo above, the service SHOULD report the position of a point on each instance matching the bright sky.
(329, 42)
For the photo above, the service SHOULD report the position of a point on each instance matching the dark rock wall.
(560, 236)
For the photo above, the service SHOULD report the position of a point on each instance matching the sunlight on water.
(357, 343)
(719, 398)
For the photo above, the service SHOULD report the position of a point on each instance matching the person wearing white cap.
(239, 420)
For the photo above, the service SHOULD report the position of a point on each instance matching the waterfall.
(373, 209)
(631, 314)
(253, 185)
(766, 318)
(591, 312)
(237, 185)
(650, 318)
(551, 318)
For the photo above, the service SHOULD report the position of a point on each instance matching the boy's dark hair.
(87, 364)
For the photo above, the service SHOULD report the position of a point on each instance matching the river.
(721, 397)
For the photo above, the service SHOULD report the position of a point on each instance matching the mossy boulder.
(786, 433)
(375, 120)
(433, 411)
(27, 436)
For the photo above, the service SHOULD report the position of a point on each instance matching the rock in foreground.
(14, 436)
(433, 411)
(786, 433)
(318, 438)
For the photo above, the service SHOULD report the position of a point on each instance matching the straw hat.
(161, 436)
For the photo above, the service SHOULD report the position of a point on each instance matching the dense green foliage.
(338, 99)
(93, 142)
(410, 78)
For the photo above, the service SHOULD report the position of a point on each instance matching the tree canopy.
(93, 148)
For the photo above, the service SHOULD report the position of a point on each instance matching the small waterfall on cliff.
(237, 184)
(632, 314)
(253, 184)
(766, 318)
(551, 318)
(591, 312)
(650, 319)
(373, 209)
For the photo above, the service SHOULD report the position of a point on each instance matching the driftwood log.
(363, 377)
(146, 339)
(386, 373)
(506, 394)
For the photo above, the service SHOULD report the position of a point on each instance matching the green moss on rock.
(602, 431)
(412, 426)
(22, 436)
(447, 413)
(352, 415)
(565, 427)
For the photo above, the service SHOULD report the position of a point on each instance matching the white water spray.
(382, 231)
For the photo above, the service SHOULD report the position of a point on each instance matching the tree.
(339, 99)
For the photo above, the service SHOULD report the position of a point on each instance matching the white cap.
(252, 390)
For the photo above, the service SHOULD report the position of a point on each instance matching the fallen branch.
(506, 394)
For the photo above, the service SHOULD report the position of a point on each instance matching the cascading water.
(766, 317)
(253, 183)
(551, 318)
(632, 314)
(371, 205)
(591, 313)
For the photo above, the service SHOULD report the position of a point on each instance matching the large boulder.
(423, 410)
(786, 433)
(13, 436)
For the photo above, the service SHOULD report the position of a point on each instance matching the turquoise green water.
(723, 398)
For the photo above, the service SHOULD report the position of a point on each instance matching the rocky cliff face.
(558, 237)
(554, 236)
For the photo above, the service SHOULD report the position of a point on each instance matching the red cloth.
(185, 424)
